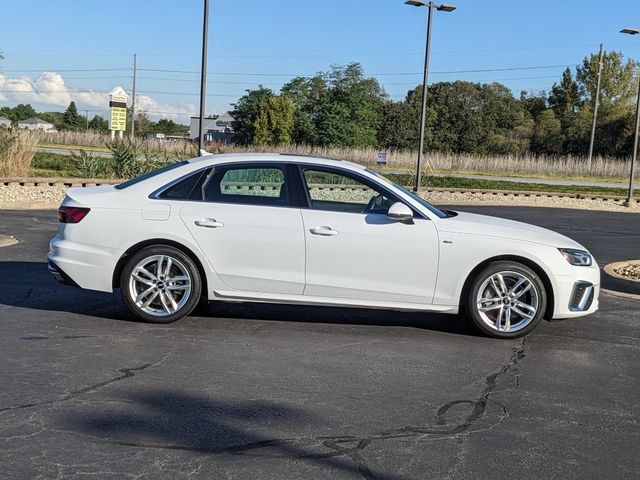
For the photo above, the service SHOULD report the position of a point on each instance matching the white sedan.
(312, 231)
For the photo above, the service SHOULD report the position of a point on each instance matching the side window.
(246, 185)
(182, 189)
(329, 190)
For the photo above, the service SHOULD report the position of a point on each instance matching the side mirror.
(399, 212)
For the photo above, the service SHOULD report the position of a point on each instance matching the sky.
(56, 51)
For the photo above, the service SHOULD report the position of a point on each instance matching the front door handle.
(209, 223)
(324, 231)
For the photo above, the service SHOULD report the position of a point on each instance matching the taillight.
(72, 214)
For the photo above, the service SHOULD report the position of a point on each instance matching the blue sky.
(266, 42)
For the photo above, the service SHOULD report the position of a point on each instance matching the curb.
(618, 284)
(8, 240)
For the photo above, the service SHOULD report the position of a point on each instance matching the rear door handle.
(209, 223)
(324, 231)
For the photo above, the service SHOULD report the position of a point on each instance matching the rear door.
(245, 219)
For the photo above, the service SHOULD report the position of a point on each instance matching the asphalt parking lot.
(271, 392)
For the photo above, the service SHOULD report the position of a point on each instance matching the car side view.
(302, 230)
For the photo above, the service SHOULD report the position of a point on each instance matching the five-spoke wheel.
(506, 300)
(160, 284)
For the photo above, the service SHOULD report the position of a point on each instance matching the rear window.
(153, 173)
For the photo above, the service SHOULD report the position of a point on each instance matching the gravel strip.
(629, 270)
(17, 196)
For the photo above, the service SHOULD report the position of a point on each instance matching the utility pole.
(133, 99)
(86, 116)
(203, 74)
(595, 108)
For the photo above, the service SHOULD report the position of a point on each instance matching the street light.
(630, 200)
(442, 8)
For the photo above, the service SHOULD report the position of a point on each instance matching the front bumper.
(577, 295)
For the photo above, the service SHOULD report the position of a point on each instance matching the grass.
(56, 165)
(16, 152)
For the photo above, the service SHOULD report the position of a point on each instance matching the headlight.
(579, 258)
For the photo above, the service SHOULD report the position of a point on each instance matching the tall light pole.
(431, 6)
(595, 108)
(203, 73)
(630, 200)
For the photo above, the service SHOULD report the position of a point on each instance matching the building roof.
(34, 121)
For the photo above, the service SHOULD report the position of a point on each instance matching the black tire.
(498, 302)
(181, 266)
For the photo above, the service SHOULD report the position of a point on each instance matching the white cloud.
(49, 91)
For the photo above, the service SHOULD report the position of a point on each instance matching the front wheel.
(506, 300)
(160, 284)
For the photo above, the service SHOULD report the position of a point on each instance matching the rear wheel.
(160, 284)
(506, 300)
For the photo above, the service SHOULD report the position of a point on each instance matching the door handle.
(324, 231)
(208, 223)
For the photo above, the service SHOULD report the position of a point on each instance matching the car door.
(353, 250)
(245, 220)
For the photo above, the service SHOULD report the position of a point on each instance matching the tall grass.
(566, 166)
(148, 149)
(17, 149)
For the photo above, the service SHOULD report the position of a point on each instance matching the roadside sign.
(118, 119)
(382, 158)
(118, 105)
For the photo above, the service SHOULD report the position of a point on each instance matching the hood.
(474, 224)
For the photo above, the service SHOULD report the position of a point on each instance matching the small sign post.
(118, 115)
(382, 158)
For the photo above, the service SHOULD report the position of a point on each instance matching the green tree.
(71, 120)
(98, 123)
(547, 135)
(22, 112)
(617, 96)
(246, 112)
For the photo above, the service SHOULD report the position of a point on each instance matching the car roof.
(274, 157)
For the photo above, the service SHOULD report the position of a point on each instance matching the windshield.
(436, 211)
(153, 173)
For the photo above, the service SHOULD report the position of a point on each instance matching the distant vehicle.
(312, 231)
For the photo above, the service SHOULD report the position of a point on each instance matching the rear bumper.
(59, 275)
(82, 265)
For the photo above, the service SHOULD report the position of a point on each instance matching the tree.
(547, 135)
(246, 112)
(22, 112)
(98, 123)
(565, 98)
(617, 96)
(71, 120)
(143, 124)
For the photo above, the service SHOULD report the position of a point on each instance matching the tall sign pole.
(203, 74)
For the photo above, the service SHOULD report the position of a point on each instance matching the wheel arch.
(548, 314)
(115, 281)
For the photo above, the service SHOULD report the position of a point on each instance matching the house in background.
(36, 124)
(216, 129)
(5, 122)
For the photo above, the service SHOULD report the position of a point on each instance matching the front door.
(355, 251)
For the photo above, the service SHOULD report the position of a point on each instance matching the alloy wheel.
(160, 285)
(507, 301)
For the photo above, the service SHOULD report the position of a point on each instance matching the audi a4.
(301, 230)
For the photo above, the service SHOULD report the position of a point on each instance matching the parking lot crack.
(124, 373)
